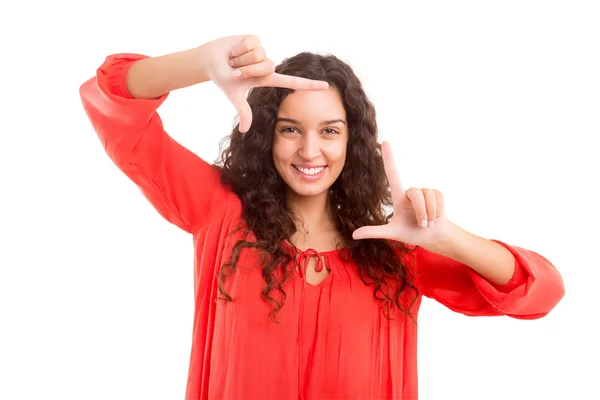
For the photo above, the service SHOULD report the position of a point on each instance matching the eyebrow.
(293, 121)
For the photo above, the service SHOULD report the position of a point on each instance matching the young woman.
(304, 287)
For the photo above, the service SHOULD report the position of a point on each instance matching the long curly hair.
(358, 197)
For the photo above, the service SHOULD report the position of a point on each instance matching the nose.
(309, 147)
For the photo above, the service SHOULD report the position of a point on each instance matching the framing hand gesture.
(411, 208)
(238, 63)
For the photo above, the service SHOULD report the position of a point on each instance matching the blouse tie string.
(304, 258)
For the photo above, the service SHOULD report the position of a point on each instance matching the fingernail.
(236, 73)
(430, 224)
(231, 62)
(424, 223)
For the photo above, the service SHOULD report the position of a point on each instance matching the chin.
(308, 192)
(307, 186)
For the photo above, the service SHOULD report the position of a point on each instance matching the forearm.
(150, 78)
(491, 260)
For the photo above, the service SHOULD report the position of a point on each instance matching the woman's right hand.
(244, 54)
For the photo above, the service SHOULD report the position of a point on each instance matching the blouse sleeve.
(534, 289)
(182, 187)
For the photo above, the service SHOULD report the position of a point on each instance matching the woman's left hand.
(411, 208)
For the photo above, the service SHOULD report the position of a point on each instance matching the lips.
(309, 166)
(316, 168)
(308, 177)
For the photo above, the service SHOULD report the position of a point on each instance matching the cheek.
(282, 153)
(277, 149)
(337, 155)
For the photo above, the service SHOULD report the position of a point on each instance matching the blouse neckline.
(311, 250)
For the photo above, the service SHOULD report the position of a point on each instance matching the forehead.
(317, 105)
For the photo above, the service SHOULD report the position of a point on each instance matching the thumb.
(373, 232)
(244, 111)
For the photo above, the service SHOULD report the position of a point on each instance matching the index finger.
(390, 170)
(291, 82)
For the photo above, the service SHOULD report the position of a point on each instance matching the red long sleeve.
(535, 288)
(182, 187)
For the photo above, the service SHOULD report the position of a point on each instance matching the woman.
(304, 287)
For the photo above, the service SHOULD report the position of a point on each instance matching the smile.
(310, 174)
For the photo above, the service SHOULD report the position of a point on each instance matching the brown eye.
(286, 129)
(333, 131)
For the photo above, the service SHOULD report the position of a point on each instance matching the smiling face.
(309, 144)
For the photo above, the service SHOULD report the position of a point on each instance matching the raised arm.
(533, 291)
(121, 102)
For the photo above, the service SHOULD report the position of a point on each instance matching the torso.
(325, 242)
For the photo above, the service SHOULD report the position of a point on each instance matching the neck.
(311, 213)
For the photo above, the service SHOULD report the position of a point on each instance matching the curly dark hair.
(247, 167)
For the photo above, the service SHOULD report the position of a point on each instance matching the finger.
(253, 57)
(418, 202)
(374, 232)
(430, 205)
(247, 43)
(391, 172)
(244, 111)
(263, 68)
(291, 82)
(439, 208)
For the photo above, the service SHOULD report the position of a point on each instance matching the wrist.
(198, 62)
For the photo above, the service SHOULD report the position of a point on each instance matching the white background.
(494, 103)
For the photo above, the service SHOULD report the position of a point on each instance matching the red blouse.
(333, 341)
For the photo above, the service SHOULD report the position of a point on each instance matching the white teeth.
(309, 171)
